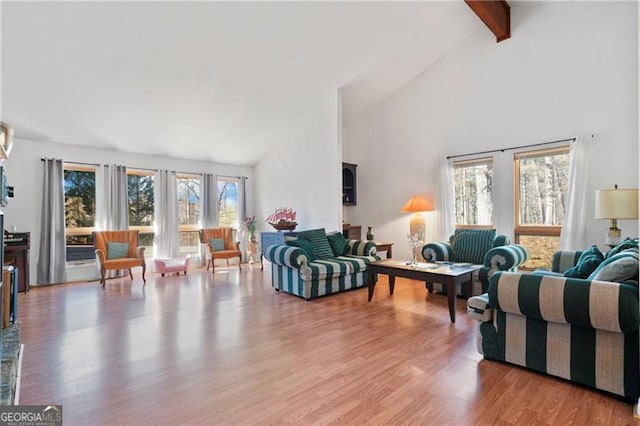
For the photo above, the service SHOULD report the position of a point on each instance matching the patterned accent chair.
(480, 247)
(116, 250)
(230, 249)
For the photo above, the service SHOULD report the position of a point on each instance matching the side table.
(272, 238)
(388, 247)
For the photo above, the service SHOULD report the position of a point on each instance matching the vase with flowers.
(415, 241)
(250, 232)
(250, 228)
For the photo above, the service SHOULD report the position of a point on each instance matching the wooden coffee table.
(444, 273)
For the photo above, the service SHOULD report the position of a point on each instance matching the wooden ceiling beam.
(496, 14)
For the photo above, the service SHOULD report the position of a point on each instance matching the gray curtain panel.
(242, 204)
(208, 207)
(112, 201)
(52, 262)
(112, 198)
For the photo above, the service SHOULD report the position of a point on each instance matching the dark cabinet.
(16, 253)
(352, 232)
(349, 196)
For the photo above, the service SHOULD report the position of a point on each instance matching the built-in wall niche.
(349, 196)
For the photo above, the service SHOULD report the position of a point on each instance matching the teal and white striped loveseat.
(581, 330)
(292, 272)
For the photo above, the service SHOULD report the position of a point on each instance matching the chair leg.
(144, 268)
(213, 266)
(240, 263)
(130, 274)
(103, 272)
(209, 263)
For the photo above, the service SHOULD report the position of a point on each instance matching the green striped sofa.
(292, 272)
(580, 330)
(500, 255)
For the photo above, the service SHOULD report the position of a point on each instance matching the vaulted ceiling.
(208, 81)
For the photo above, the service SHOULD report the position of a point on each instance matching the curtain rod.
(146, 169)
(512, 148)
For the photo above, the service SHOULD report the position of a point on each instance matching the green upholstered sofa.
(293, 270)
(483, 247)
(583, 330)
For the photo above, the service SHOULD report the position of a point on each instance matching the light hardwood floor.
(228, 349)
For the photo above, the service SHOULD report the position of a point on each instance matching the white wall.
(305, 173)
(569, 67)
(24, 173)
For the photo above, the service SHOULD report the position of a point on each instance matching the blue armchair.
(480, 247)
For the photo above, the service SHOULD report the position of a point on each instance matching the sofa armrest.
(564, 259)
(502, 258)
(600, 305)
(361, 248)
(506, 258)
(437, 251)
(282, 254)
(479, 309)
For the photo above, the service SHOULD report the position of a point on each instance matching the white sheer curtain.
(208, 208)
(580, 198)
(52, 262)
(446, 201)
(112, 201)
(167, 240)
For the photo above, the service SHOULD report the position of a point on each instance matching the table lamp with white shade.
(615, 204)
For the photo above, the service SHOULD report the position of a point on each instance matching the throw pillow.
(318, 238)
(627, 243)
(306, 246)
(117, 250)
(470, 245)
(338, 243)
(217, 244)
(618, 268)
(588, 261)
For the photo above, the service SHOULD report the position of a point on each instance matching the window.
(542, 181)
(140, 192)
(79, 211)
(473, 192)
(228, 202)
(188, 212)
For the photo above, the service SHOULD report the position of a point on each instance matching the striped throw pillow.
(618, 268)
(470, 245)
(318, 238)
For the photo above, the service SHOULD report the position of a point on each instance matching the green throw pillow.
(117, 250)
(217, 244)
(470, 245)
(627, 243)
(306, 246)
(588, 261)
(338, 243)
(318, 238)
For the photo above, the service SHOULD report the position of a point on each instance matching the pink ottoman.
(175, 264)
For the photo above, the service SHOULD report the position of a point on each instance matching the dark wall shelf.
(349, 195)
